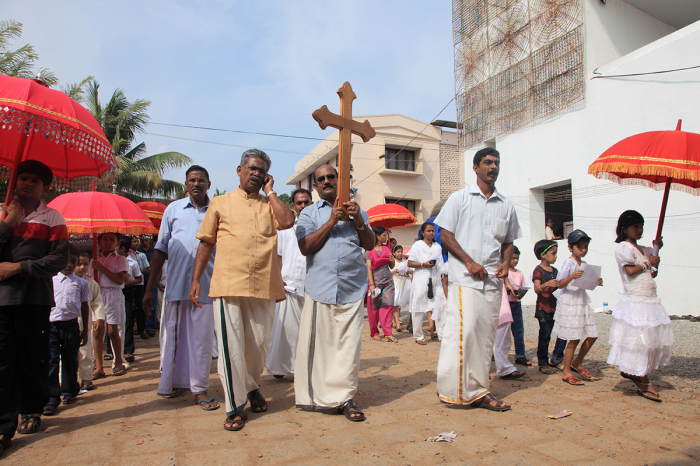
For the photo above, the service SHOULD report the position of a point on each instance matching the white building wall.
(562, 148)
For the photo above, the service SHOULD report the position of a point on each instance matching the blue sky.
(248, 66)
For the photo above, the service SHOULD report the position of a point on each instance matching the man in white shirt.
(479, 226)
(285, 330)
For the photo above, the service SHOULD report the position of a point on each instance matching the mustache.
(493, 172)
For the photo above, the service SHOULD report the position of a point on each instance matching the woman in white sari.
(426, 260)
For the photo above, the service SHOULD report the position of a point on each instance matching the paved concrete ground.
(610, 424)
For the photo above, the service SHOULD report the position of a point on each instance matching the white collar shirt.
(293, 262)
(69, 292)
(480, 226)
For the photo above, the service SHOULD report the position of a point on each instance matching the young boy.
(517, 280)
(33, 248)
(133, 279)
(72, 295)
(544, 278)
(96, 325)
(112, 270)
(145, 267)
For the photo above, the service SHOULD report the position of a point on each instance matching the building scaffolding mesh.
(516, 62)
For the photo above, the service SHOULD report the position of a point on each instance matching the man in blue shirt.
(187, 331)
(327, 364)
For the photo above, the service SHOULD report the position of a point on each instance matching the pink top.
(115, 264)
(379, 260)
(516, 279)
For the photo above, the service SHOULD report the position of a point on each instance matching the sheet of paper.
(434, 258)
(589, 279)
(525, 286)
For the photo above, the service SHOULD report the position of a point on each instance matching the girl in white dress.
(426, 260)
(573, 319)
(402, 284)
(641, 335)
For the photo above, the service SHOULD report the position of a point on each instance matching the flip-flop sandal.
(236, 425)
(129, 357)
(174, 394)
(523, 362)
(421, 342)
(636, 380)
(107, 357)
(649, 395)
(119, 372)
(585, 375)
(391, 339)
(376, 338)
(98, 375)
(513, 375)
(209, 402)
(485, 401)
(257, 401)
(559, 367)
(351, 408)
(572, 380)
(29, 424)
(547, 370)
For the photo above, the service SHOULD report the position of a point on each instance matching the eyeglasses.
(259, 171)
(322, 178)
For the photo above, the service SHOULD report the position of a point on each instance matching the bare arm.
(118, 278)
(159, 258)
(370, 276)
(312, 242)
(474, 269)
(200, 263)
(284, 216)
(506, 256)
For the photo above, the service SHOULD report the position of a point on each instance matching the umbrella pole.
(12, 183)
(94, 251)
(662, 216)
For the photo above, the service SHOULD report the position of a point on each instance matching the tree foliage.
(138, 174)
(20, 62)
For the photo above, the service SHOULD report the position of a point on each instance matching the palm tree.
(138, 174)
(19, 63)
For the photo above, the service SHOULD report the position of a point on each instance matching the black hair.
(543, 245)
(118, 235)
(73, 251)
(484, 152)
(124, 242)
(396, 248)
(39, 169)
(423, 227)
(300, 190)
(198, 168)
(627, 219)
(378, 230)
(516, 250)
(84, 253)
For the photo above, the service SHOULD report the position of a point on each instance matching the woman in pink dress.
(380, 304)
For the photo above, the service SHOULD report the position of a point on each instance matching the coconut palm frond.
(76, 91)
(164, 161)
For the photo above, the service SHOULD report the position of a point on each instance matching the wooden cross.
(347, 127)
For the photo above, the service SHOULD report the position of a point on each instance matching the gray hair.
(257, 153)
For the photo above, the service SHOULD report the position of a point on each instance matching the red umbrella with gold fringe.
(656, 159)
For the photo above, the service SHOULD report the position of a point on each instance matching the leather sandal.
(485, 403)
(231, 424)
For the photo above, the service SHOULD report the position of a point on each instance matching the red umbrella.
(94, 212)
(390, 216)
(657, 159)
(153, 210)
(43, 124)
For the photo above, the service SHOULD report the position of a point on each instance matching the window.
(397, 159)
(310, 182)
(407, 204)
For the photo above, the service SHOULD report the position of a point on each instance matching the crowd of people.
(244, 278)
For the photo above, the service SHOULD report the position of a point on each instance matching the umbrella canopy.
(657, 159)
(43, 124)
(94, 212)
(390, 216)
(153, 210)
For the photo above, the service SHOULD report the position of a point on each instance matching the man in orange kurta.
(246, 282)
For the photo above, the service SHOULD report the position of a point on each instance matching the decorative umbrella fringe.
(132, 230)
(646, 183)
(649, 170)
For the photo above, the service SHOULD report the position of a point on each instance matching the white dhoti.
(187, 334)
(285, 330)
(327, 364)
(467, 343)
(501, 347)
(243, 330)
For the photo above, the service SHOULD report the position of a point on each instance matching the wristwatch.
(270, 193)
(362, 227)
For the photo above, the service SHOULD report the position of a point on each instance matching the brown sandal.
(231, 424)
(485, 403)
(390, 339)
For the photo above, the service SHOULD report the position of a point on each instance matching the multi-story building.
(552, 84)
